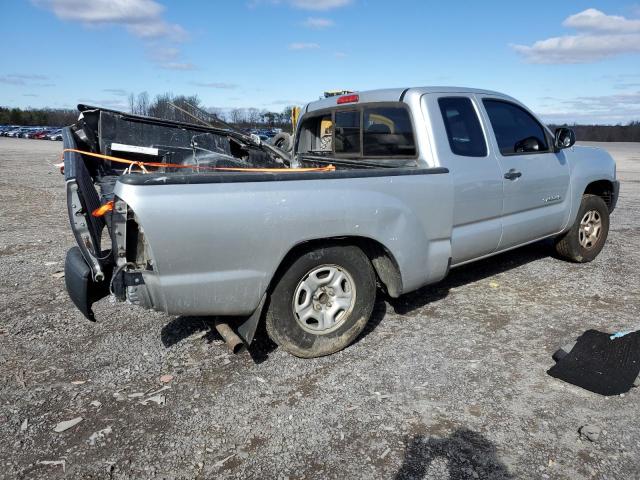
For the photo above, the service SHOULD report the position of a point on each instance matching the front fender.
(587, 165)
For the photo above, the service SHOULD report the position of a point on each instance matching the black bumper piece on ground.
(82, 290)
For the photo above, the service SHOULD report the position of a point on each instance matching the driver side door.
(535, 178)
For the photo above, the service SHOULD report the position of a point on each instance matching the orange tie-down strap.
(328, 168)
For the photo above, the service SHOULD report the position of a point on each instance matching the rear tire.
(322, 302)
(586, 238)
(283, 142)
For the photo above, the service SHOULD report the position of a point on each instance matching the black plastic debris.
(600, 362)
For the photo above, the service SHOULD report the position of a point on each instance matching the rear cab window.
(347, 132)
(387, 131)
(368, 131)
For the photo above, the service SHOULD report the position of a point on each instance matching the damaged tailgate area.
(104, 145)
(184, 148)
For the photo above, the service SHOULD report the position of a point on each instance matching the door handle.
(512, 174)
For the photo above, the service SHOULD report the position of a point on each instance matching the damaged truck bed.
(389, 188)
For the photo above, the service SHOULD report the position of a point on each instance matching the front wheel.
(322, 302)
(586, 238)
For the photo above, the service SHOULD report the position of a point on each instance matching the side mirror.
(564, 138)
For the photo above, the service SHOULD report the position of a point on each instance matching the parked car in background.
(18, 132)
(55, 135)
(32, 133)
(393, 188)
(42, 134)
(4, 129)
(28, 132)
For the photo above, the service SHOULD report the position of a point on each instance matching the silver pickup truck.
(383, 189)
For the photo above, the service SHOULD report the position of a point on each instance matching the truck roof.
(394, 95)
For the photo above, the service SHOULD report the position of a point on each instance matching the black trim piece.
(247, 329)
(404, 92)
(81, 288)
(615, 195)
(392, 162)
(245, 138)
(159, 121)
(251, 177)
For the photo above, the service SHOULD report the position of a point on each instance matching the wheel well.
(603, 189)
(384, 264)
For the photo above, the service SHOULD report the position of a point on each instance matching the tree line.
(606, 133)
(181, 108)
(190, 109)
(53, 117)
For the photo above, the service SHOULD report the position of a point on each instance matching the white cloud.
(319, 4)
(318, 23)
(142, 18)
(606, 109)
(120, 92)
(219, 85)
(177, 66)
(579, 48)
(316, 5)
(159, 29)
(105, 102)
(600, 36)
(303, 46)
(23, 79)
(162, 53)
(596, 21)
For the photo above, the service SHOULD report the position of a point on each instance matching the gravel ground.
(448, 382)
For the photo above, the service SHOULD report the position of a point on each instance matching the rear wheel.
(283, 141)
(586, 238)
(322, 302)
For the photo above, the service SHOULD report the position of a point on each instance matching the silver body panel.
(217, 246)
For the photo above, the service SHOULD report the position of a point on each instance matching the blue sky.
(568, 60)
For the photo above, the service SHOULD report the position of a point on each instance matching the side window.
(515, 129)
(347, 132)
(463, 127)
(387, 131)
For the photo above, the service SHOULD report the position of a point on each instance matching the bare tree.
(253, 116)
(132, 102)
(237, 116)
(143, 103)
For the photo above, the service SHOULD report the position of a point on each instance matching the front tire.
(586, 238)
(322, 302)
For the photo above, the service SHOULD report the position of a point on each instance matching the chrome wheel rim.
(590, 229)
(324, 299)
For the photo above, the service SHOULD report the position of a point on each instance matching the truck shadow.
(471, 273)
(181, 328)
(467, 454)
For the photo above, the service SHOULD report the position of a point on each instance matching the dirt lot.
(448, 382)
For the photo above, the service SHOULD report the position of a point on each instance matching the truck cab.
(511, 176)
